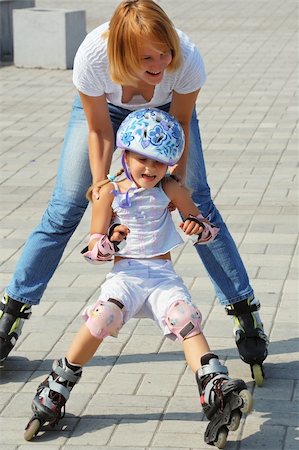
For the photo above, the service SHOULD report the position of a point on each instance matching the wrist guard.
(103, 249)
(209, 230)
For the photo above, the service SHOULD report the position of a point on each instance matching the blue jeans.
(45, 246)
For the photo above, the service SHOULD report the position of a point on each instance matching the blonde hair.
(102, 183)
(133, 22)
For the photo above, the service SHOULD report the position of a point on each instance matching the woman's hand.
(178, 173)
(96, 191)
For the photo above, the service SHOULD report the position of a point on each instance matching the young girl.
(143, 280)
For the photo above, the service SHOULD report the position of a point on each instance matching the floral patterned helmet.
(153, 133)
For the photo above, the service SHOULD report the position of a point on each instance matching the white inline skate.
(48, 405)
(223, 400)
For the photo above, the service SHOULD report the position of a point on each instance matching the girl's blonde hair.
(135, 22)
(102, 183)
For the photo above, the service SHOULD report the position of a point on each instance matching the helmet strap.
(125, 166)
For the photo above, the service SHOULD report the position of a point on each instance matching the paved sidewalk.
(137, 393)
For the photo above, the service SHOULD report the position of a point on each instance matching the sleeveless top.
(152, 230)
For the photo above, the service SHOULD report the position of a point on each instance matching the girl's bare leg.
(83, 347)
(194, 348)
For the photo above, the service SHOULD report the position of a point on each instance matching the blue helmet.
(153, 133)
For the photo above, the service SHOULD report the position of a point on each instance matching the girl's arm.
(100, 135)
(181, 108)
(180, 197)
(104, 240)
(193, 221)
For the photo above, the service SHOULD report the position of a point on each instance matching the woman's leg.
(225, 267)
(44, 247)
(221, 257)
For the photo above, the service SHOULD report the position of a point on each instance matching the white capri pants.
(147, 288)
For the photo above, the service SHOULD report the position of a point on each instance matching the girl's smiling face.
(145, 172)
(154, 59)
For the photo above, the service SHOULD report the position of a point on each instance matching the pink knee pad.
(183, 319)
(104, 318)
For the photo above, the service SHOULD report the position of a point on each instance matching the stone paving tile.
(267, 436)
(292, 437)
(38, 447)
(137, 393)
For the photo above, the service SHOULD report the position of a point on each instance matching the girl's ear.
(127, 157)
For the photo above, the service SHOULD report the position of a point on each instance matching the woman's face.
(154, 59)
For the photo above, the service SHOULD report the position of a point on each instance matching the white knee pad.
(104, 318)
(183, 319)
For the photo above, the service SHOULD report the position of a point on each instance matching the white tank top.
(153, 231)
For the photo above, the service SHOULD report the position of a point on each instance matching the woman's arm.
(100, 135)
(181, 108)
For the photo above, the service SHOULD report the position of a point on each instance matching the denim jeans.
(45, 246)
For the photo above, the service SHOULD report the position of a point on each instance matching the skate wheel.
(234, 423)
(221, 438)
(257, 374)
(247, 401)
(32, 429)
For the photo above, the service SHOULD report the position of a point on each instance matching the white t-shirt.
(91, 72)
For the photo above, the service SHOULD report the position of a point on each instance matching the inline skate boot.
(48, 405)
(223, 400)
(249, 334)
(12, 316)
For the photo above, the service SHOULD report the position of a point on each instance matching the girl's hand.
(120, 233)
(190, 227)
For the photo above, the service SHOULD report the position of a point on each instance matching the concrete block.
(47, 38)
(6, 25)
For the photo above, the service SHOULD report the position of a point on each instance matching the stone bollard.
(6, 26)
(47, 38)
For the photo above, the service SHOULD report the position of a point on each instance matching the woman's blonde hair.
(134, 22)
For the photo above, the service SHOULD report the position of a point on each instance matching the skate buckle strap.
(214, 366)
(240, 308)
(68, 376)
(16, 312)
(57, 387)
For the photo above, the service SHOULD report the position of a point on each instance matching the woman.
(136, 60)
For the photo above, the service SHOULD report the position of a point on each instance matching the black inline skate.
(223, 400)
(12, 316)
(48, 405)
(249, 334)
